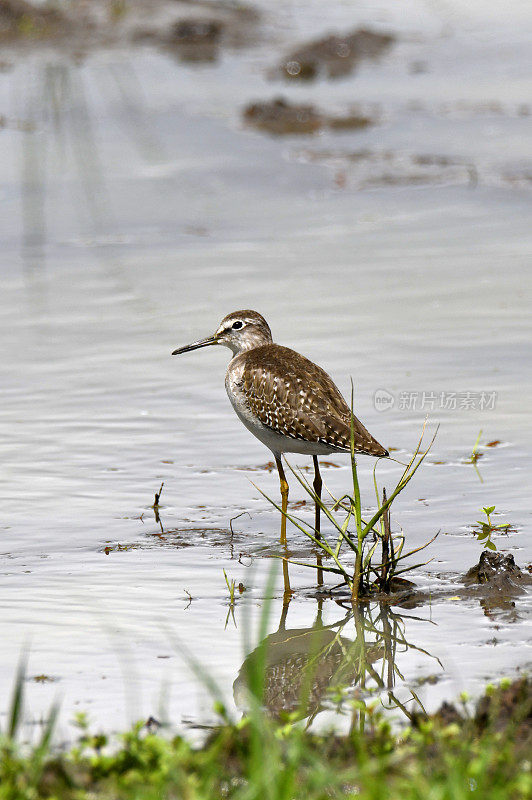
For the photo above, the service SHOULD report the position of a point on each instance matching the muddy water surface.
(137, 210)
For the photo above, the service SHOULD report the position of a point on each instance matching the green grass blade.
(17, 699)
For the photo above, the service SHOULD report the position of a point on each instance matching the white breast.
(274, 441)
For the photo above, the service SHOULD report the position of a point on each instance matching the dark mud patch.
(282, 118)
(496, 582)
(174, 538)
(201, 29)
(20, 19)
(499, 572)
(196, 39)
(43, 678)
(334, 56)
(192, 31)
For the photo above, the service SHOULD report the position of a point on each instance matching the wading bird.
(285, 400)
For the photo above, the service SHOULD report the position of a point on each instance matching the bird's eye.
(237, 325)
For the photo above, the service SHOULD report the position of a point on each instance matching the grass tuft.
(370, 558)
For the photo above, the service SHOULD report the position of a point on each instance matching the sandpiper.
(285, 400)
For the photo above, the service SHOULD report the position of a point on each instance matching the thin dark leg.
(317, 488)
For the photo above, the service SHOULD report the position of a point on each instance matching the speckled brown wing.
(294, 397)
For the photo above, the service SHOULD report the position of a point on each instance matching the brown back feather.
(294, 397)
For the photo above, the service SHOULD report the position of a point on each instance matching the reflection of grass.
(230, 583)
(306, 670)
(230, 588)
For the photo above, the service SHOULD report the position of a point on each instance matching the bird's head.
(239, 331)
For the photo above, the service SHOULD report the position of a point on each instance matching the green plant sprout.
(366, 577)
(486, 529)
(475, 455)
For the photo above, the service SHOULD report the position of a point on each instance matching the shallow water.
(137, 211)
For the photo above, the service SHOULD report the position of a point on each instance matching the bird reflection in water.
(295, 670)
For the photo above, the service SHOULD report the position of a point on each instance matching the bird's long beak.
(195, 345)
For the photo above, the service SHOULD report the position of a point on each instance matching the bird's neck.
(248, 342)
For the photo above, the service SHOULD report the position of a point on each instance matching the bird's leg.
(284, 507)
(317, 489)
(284, 497)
